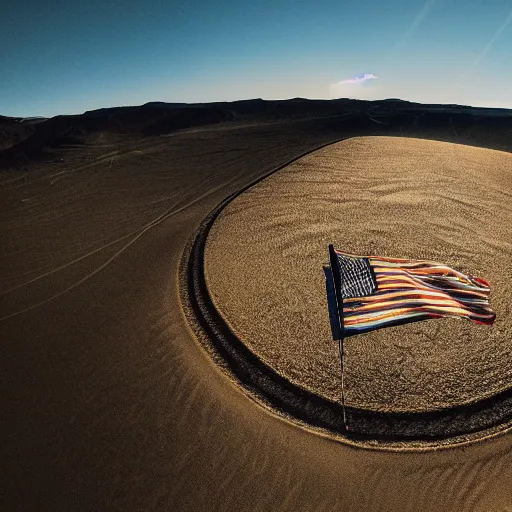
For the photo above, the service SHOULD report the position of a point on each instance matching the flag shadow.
(331, 303)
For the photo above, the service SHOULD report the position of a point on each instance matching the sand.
(108, 400)
(388, 196)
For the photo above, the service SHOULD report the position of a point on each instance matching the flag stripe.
(381, 305)
(426, 309)
(386, 295)
(433, 285)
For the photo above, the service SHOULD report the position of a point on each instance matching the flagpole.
(336, 275)
(341, 351)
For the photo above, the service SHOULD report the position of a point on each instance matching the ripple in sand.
(391, 196)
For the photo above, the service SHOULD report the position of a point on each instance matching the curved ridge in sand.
(314, 401)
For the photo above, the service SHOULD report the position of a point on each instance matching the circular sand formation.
(387, 196)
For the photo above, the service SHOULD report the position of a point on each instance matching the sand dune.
(108, 400)
(394, 197)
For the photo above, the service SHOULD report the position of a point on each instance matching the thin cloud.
(489, 45)
(361, 79)
(354, 88)
(415, 24)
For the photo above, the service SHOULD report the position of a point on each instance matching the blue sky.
(61, 57)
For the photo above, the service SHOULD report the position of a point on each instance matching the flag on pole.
(373, 292)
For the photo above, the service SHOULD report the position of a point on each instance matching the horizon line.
(35, 117)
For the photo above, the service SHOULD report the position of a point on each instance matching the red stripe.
(481, 281)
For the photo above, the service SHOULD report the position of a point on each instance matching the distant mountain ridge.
(22, 139)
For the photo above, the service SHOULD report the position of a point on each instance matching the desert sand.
(109, 402)
(386, 196)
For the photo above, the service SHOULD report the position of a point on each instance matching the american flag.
(374, 292)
